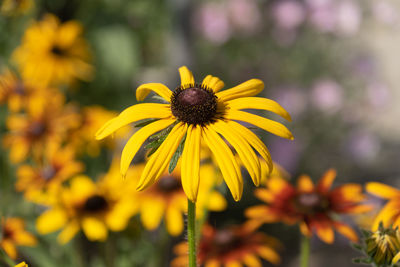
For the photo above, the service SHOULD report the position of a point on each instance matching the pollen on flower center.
(195, 104)
(310, 202)
(48, 172)
(95, 203)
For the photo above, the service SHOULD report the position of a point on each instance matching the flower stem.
(304, 251)
(6, 258)
(191, 233)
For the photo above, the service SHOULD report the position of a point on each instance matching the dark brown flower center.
(95, 203)
(48, 172)
(19, 88)
(58, 51)
(168, 184)
(310, 203)
(225, 240)
(195, 104)
(36, 129)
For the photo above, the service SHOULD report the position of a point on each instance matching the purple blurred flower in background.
(322, 14)
(288, 15)
(292, 99)
(286, 153)
(348, 17)
(327, 95)
(245, 15)
(385, 12)
(362, 146)
(378, 94)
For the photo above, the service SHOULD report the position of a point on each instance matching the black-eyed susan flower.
(13, 235)
(390, 213)
(54, 53)
(15, 7)
(166, 201)
(197, 113)
(44, 126)
(312, 206)
(58, 165)
(21, 264)
(92, 207)
(230, 247)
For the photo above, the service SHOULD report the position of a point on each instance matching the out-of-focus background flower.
(333, 64)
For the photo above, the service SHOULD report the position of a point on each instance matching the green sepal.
(177, 155)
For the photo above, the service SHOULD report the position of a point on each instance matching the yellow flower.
(166, 199)
(15, 7)
(94, 208)
(233, 246)
(22, 264)
(44, 126)
(390, 214)
(54, 52)
(14, 234)
(197, 113)
(58, 165)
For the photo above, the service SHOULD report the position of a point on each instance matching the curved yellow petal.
(265, 124)
(346, 230)
(159, 161)
(190, 167)
(68, 232)
(22, 264)
(174, 220)
(382, 190)
(132, 114)
(136, 141)
(269, 254)
(325, 183)
(94, 229)
(159, 88)
(325, 233)
(254, 141)
(186, 76)
(305, 184)
(252, 261)
(226, 162)
(9, 248)
(51, 220)
(387, 215)
(259, 103)
(213, 83)
(249, 88)
(242, 147)
(151, 212)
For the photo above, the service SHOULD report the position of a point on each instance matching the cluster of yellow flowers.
(194, 133)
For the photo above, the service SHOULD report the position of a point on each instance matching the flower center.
(58, 51)
(225, 240)
(36, 129)
(95, 203)
(310, 203)
(168, 184)
(48, 172)
(19, 88)
(195, 104)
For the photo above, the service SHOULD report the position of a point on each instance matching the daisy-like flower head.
(167, 201)
(94, 208)
(230, 246)
(14, 234)
(197, 113)
(58, 165)
(390, 213)
(311, 206)
(54, 53)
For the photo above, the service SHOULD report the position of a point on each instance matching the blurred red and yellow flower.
(312, 206)
(92, 207)
(14, 234)
(54, 53)
(232, 246)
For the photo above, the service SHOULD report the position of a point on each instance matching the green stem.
(304, 251)
(6, 259)
(191, 233)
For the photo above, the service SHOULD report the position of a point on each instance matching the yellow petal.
(136, 141)
(82, 186)
(94, 229)
(159, 161)
(51, 220)
(190, 167)
(259, 103)
(249, 88)
(186, 76)
(254, 141)
(252, 261)
(226, 162)
(396, 258)
(305, 184)
(22, 264)
(216, 201)
(134, 113)
(382, 190)
(174, 220)
(24, 238)
(213, 83)
(151, 212)
(325, 233)
(158, 88)
(265, 124)
(212, 263)
(346, 230)
(9, 248)
(68, 232)
(326, 181)
(387, 215)
(233, 263)
(269, 254)
(242, 147)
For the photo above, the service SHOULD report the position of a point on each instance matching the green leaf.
(357, 246)
(145, 122)
(177, 155)
(158, 139)
(366, 233)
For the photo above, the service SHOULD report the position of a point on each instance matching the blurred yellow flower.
(92, 207)
(232, 246)
(44, 126)
(197, 113)
(22, 264)
(390, 214)
(15, 7)
(54, 53)
(311, 206)
(14, 234)
(16, 91)
(166, 199)
(58, 165)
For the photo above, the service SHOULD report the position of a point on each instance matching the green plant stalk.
(192, 233)
(6, 259)
(304, 251)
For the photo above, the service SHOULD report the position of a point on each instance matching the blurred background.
(333, 64)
